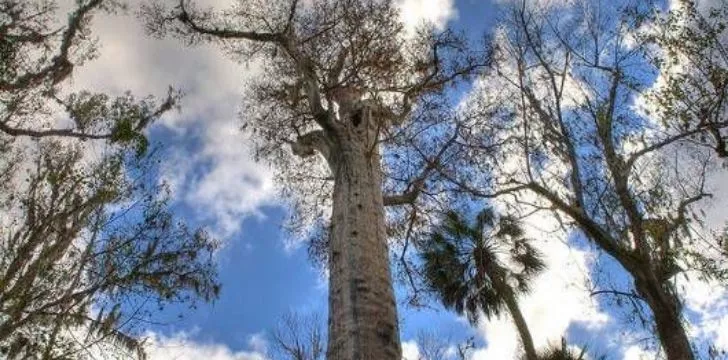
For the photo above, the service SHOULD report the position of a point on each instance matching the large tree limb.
(186, 19)
(5, 127)
(308, 144)
(285, 40)
(670, 140)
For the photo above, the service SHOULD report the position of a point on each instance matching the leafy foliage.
(474, 267)
(87, 241)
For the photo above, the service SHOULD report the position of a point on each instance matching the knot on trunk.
(308, 144)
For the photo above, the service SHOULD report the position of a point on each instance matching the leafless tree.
(433, 345)
(299, 337)
(342, 81)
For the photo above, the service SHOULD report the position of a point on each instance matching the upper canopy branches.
(328, 52)
(37, 56)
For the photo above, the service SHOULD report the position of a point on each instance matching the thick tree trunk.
(521, 326)
(362, 309)
(668, 323)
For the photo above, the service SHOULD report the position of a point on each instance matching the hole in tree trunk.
(356, 117)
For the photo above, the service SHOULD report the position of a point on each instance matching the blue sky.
(264, 272)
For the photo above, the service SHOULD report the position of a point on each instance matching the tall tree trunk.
(666, 311)
(520, 322)
(362, 309)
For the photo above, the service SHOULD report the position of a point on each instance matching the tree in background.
(85, 252)
(37, 56)
(87, 245)
(299, 337)
(482, 267)
(432, 345)
(572, 130)
(344, 81)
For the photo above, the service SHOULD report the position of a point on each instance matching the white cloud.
(258, 342)
(410, 350)
(636, 352)
(708, 302)
(435, 12)
(232, 184)
(180, 347)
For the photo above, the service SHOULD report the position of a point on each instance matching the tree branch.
(187, 20)
(60, 67)
(670, 140)
(143, 122)
(286, 41)
(308, 144)
(416, 186)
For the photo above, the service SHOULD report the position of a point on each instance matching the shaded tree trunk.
(362, 309)
(666, 311)
(521, 325)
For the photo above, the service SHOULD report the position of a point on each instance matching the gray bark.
(362, 310)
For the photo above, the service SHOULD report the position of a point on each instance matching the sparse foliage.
(690, 52)
(569, 130)
(38, 56)
(85, 252)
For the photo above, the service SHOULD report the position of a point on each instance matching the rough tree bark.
(668, 320)
(363, 315)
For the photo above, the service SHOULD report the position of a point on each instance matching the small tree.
(342, 82)
(434, 346)
(469, 267)
(299, 337)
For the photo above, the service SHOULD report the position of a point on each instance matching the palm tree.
(482, 267)
(563, 353)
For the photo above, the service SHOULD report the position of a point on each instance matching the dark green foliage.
(466, 265)
(563, 352)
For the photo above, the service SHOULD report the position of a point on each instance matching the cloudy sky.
(265, 275)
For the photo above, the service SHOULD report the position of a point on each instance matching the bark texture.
(363, 316)
(668, 321)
